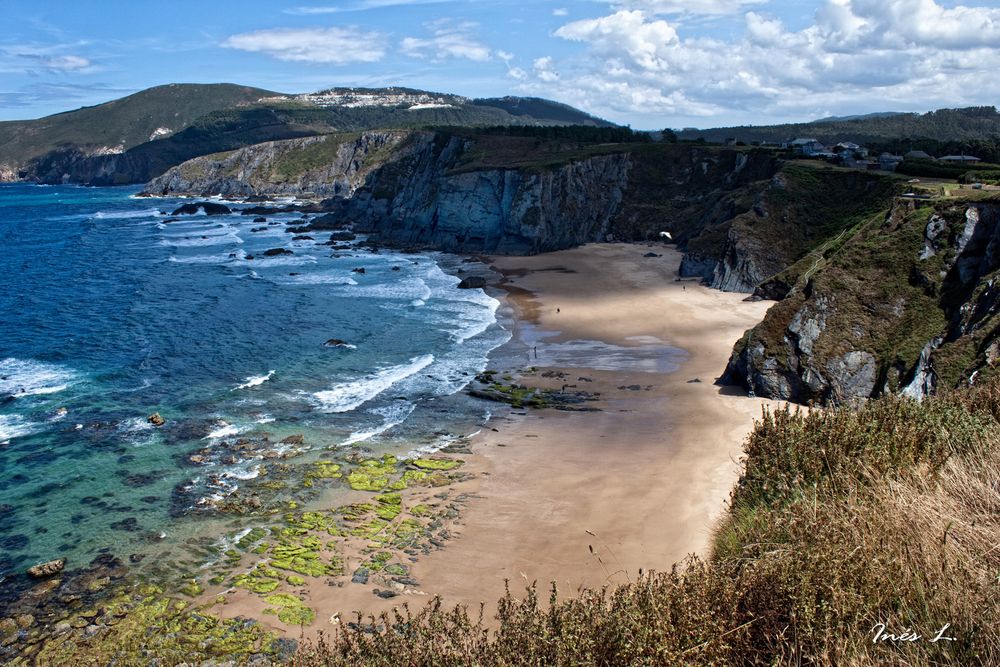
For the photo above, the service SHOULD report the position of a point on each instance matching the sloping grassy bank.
(845, 522)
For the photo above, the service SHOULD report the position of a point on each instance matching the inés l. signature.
(880, 633)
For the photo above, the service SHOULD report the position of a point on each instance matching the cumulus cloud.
(544, 69)
(647, 43)
(335, 45)
(854, 55)
(449, 40)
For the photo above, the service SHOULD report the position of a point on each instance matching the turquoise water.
(107, 314)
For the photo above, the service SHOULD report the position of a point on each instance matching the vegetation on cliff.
(847, 524)
(904, 299)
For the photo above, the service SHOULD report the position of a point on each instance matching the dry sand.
(648, 475)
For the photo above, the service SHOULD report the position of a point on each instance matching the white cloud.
(360, 6)
(65, 63)
(711, 7)
(517, 74)
(855, 55)
(543, 69)
(449, 40)
(648, 43)
(313, 45)
(560, 11)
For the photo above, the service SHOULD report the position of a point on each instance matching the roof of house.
(959, 158)
(918, 155)
(802, 141)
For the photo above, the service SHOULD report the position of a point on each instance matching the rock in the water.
(210, 208)
(359, 270)
(260, 218)
(48, 569)
(336, 342)
(472, 282)
(275, 252)
(156, 420)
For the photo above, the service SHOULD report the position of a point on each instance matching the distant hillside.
(943, 125)
(542, 110)
(123, 123)
(139, 137)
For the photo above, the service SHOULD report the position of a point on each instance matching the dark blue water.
(108, 315)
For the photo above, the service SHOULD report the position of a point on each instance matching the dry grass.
(885, 513)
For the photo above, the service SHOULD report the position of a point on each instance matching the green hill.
(123, 123)
(136, 138)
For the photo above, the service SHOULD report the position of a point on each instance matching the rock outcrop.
(908, 303)
(317, 167)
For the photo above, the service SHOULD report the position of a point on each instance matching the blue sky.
(648, 63)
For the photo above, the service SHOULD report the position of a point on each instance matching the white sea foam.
(25, 377)
(255, 381)
(202, 240)
(346, 396)
(15, 426)
(392, 415)
(204, 259)
(126, 215)
(223, 430)
(321, 278)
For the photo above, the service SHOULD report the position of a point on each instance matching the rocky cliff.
(426, 198)
(904, 302)
(312, 167)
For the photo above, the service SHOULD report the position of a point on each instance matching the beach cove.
(584, 498)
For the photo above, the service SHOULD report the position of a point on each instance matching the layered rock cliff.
(425, 198)
(906, 302)
(332, 165)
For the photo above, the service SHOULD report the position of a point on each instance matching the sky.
(646, 63)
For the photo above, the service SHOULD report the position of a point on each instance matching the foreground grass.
(844, 522)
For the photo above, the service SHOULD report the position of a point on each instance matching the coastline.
(641, 480)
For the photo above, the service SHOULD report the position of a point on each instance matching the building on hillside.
(959, 158)
(805, 146)
(917, 155)
(730, 141)
(851, 148)
(889, 162)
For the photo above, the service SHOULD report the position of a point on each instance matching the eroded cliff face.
(425, 200)
(908, 303)
(312, 167)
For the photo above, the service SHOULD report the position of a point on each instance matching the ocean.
(108, 314)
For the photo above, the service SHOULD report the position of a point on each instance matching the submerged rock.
(276, 252)
(210, 208)
(47, 569)
(156, 420)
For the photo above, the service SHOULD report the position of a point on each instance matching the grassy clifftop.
(846, 525)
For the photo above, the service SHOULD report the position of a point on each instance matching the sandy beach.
(641, 480)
